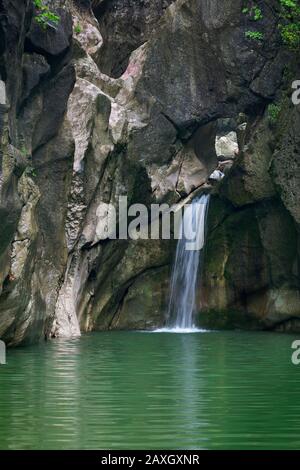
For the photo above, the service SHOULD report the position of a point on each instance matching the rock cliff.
(128, 98)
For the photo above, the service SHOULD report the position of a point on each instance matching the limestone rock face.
(125, 25)
(286, 162)
(250, 266)
(37, 151)
(227, 146)
(250, 179)
(251, 276)
(125, 99)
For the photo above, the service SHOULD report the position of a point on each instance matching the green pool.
(123, 390)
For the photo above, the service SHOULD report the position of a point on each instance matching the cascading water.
(182, 304)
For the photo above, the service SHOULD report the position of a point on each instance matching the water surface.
(122, 390)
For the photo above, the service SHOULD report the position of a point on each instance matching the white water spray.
(182, 304)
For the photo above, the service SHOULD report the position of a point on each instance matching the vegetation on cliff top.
(44, 16)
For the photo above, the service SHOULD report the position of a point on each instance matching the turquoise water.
(122, 390)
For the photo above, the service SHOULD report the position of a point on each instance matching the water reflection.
(164, 391)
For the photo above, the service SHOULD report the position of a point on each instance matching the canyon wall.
(126, 98)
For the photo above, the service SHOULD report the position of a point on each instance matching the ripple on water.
(122, 390)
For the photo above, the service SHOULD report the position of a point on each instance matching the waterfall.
(182, 304)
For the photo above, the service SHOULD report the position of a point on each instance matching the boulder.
(53, 40)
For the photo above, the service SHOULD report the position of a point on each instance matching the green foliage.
(31, 172)
(291, 35)
(257, 14)
(78, 29)
(254, 12)
(256, 35)
(288, 75)
(44, 16)
(273, 112)
(23, 151)
(289, 4)
(289, 21)
(289, 24)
